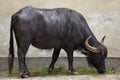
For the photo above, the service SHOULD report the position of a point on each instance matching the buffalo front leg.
(70, 62)
(54, 59)
(22, 50)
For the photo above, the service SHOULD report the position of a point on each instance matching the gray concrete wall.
(36, 62)
(103, 17)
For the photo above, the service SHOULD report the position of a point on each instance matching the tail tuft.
(10, 63)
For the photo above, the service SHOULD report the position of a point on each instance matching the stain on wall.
(103, 17)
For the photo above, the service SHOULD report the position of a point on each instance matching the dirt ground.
(83, 77)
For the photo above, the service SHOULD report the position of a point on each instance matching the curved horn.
(90, 48)
(102, 41)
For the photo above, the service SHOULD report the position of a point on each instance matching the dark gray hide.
(58, 28)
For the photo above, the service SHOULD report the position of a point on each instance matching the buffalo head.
(96, 55)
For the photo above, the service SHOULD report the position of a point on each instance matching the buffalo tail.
(11, 50)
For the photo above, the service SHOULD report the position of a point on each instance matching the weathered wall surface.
(103, 17)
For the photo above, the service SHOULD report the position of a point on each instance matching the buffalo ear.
(86, 53)
(102, 41)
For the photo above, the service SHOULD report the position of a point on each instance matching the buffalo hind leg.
(54, 59)
(22, 50)
(27, 71)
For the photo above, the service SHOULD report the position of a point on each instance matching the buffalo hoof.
(24, 76)
(74, 72)
(50, 71)
(30, 74)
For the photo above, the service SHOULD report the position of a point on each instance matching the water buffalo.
(58, 28)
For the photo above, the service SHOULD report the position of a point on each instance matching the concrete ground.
(77, 77)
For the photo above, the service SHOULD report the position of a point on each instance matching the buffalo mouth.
(101, 71)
